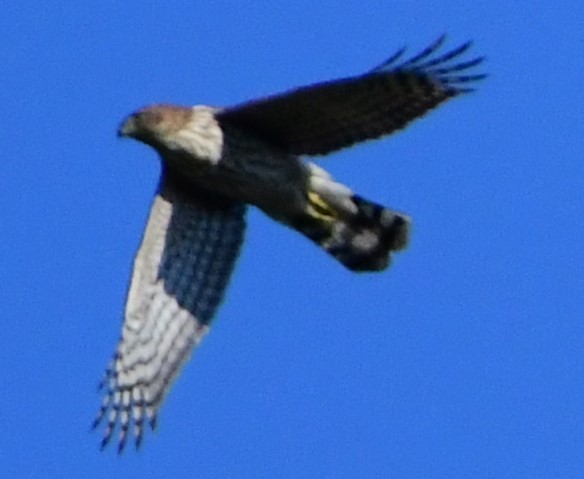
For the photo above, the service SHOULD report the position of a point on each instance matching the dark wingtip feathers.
(119, 411)
(443, 68)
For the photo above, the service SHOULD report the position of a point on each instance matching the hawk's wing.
(320, 118)
(180, 273)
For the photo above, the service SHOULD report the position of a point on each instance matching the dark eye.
(149, 118)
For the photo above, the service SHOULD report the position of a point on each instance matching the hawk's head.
(154, 124)
(177, 132)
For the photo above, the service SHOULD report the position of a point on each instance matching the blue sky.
(465, 359)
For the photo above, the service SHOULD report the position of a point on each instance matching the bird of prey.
(215, 162)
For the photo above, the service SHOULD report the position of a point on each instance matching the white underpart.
(179, 277)
(337, 194)
(201, 137)
(158, 334)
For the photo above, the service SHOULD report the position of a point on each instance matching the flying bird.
(215, 162)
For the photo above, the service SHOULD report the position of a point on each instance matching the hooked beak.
(127, 128)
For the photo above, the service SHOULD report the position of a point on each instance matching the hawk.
(215, 162)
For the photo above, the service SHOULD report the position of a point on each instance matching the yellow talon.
(319, 208)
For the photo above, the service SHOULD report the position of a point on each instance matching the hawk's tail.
(358, 233)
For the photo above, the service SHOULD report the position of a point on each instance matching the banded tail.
(357, 232)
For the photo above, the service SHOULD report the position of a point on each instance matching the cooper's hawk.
(217, 160)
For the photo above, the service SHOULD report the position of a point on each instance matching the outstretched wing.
(324, 117)
(180, 273)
